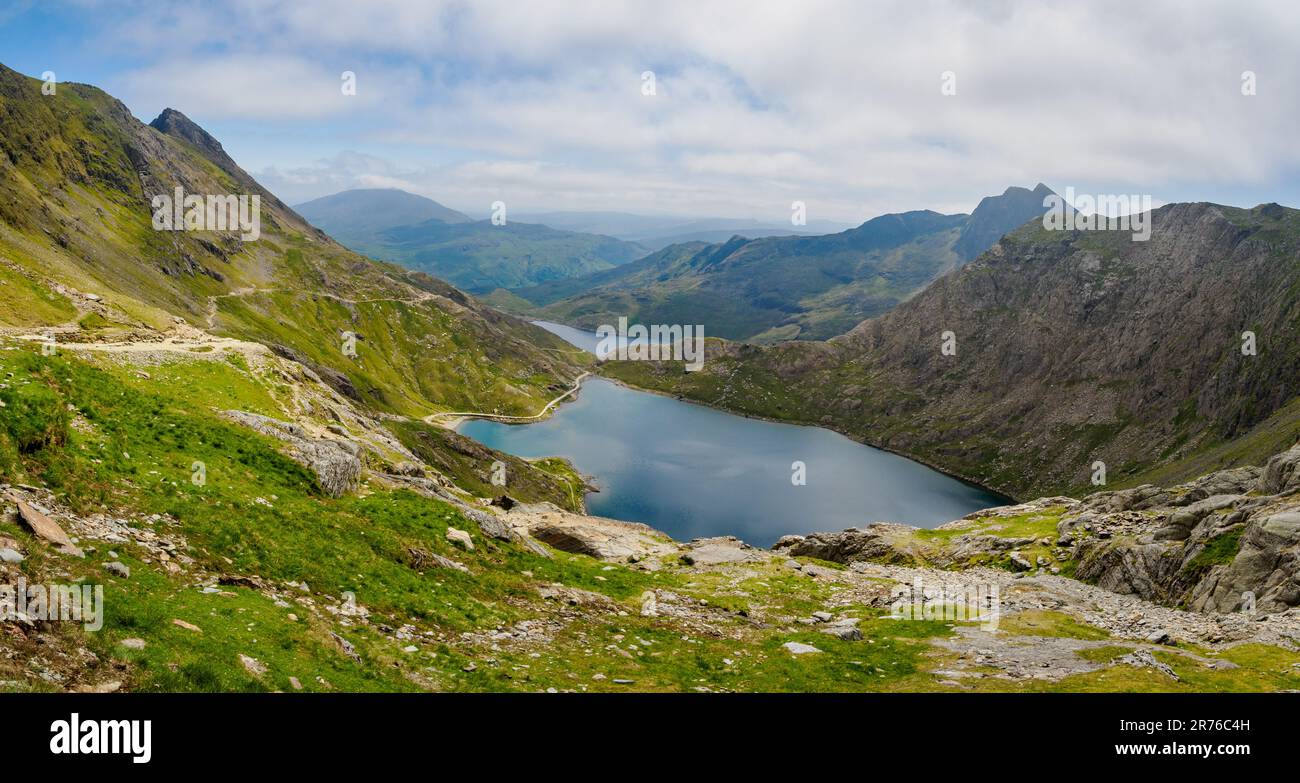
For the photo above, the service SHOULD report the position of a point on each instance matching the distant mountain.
(658, 231)
(358, 214)
(788, 287)
(996, 215)
(474, 255)
(481, 257)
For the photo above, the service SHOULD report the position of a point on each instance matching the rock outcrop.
(1227, 541)
(336, 462)
(873, 542)
(605, 539)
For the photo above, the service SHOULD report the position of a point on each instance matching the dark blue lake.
(693, 471)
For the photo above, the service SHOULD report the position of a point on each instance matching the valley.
(244, 442)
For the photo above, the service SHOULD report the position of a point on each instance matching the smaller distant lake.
(693, 471)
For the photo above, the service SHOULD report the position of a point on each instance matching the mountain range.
(656, 232)
(478, 256)
(788, 287)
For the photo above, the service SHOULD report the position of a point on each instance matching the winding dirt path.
(453, 417)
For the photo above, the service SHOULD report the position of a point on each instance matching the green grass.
(470, 465)
(26, 303)
(1034, 524)
(1220, 550)
(1047, 623)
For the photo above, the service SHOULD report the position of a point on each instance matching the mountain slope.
(789, 287)
(482, 257)
(1071, 348)
(76, 181)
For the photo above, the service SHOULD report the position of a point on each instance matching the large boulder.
(873, 542)
(605, 539)
(720, 550)
(1281, 476)
(336, 462)
(37, 521)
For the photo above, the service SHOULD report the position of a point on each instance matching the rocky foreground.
(1188, 570)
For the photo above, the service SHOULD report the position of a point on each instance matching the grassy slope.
(131, 455)
(75, 182)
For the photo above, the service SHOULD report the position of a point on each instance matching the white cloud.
(835, 103)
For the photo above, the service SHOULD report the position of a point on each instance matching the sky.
(854, 108)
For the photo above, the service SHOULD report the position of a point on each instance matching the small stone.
(822, 617)
(295, 683)
(132, 644)
(118, 569)
(187, 626)
(460, 538)
(844, 629)
(799, 648)
(1160, 636)
(252, 665)
(10, 556)
(649, 604)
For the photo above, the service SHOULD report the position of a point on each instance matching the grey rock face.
(846, 546)
(336, 463)
(1266, 567)
(1176, 552)
(491, 525)
(1280, 475)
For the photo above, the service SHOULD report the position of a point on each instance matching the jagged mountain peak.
(996, 215)
(174, 123)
